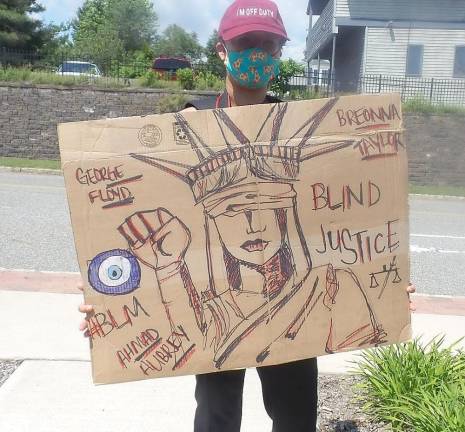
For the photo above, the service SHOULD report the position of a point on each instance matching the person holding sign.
(252, 36)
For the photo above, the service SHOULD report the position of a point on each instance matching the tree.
(287, 69)
(175, 41)
(135, 23)
(107, 29)
(58, 42)
(214, 63)
(19, 29)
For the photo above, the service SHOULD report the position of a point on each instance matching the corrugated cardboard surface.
(241, 237)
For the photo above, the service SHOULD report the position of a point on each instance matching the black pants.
(289, 394)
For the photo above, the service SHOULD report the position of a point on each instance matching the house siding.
(386, 50)
(415, 10)
(321, 31)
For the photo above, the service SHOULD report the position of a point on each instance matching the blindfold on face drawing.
(250, 197)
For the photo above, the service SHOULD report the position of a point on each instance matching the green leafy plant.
(207, 80)
(172, 103)
(152, 79)
(149, 79)
(185, 77)
(414, 387)
(287, 70)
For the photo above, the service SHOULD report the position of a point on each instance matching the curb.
(442, 305)
(30, 170)
(444, 197)
(39, 281)
(66, 283)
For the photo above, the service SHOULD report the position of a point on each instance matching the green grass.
(24, 75)
(29, 163)
(422, 106)
(414, 387)
(438, 190)
(149, 80)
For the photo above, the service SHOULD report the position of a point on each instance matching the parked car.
(78, 68)
(167, 67)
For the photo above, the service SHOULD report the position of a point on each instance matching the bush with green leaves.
(172, 103)
(413, 387)
(152, 79)
(149, 79)
(287, 70)
(185, 77)
(132, 66)
(206, 80)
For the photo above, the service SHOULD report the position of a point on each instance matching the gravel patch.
(337, 410)
(7, 367)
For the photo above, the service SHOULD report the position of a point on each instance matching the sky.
(200, 16)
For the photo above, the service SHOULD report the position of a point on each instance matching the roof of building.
(171, 63)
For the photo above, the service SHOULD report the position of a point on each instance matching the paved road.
(35, 233)
(437, 245)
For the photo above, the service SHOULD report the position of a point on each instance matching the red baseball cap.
(245, 16)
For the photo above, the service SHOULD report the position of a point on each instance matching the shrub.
(130, 71)
(415, 388)
(287, 70)
(149, 79)
(171, 103)
(186, 78)
(207, 80)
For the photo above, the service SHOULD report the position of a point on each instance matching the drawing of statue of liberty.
(252, 233)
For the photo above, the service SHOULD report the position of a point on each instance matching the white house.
(416, 43)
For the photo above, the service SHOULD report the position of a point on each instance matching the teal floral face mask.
(252, 68)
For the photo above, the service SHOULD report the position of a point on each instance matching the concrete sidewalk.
(52, 390)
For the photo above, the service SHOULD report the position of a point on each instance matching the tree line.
(102, 30)
(109, 31)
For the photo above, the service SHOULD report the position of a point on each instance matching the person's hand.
(157, 238)
(410, 290)
(85, 309)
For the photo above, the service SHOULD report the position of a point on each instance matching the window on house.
(414, 60)
(459, 63)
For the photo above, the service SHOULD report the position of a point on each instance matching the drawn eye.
(114, 272)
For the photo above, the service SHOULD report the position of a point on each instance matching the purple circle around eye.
(129, 285)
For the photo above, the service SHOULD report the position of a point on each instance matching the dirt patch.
(337, 409)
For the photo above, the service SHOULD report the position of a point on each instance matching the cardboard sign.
(240, 237)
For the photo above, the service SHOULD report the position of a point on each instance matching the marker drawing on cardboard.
(251, 260)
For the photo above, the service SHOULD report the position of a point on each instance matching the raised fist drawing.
(156, 237)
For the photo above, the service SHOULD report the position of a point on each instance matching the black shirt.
(221, 101)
